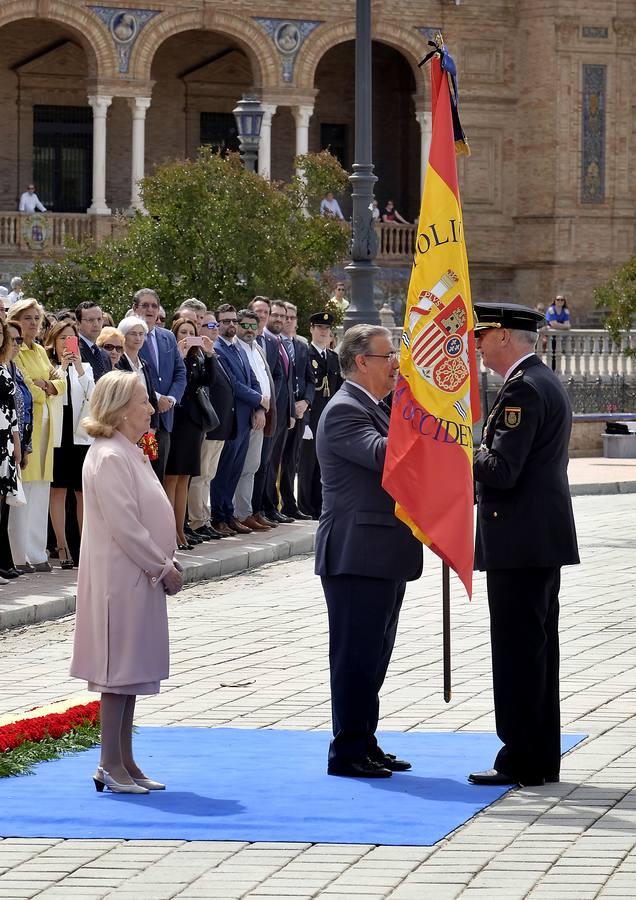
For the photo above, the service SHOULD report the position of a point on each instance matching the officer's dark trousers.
(289, 468)
(309, 486)
(524, 631)
(363, 619)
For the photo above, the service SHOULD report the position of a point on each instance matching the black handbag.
(209, 419)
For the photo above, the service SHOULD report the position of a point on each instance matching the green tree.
(214, 231)
(618, 297)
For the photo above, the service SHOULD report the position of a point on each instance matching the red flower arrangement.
(55, 726)
(148, 443)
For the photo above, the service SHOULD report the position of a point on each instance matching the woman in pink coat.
(126, 568)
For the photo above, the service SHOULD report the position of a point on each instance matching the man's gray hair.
(357, 341)
(141, 293)
(525, 338)
(15, 281)
(192, 303)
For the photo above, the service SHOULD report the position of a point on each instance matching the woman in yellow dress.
(28, 524)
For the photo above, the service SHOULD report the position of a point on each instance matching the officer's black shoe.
(364, 768)
(491, 777)
(295, 514)
(390, 761)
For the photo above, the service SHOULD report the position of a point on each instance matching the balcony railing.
(396, 243)
(42, 232)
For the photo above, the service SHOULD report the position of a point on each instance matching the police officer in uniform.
(326, 369)
(525, 533)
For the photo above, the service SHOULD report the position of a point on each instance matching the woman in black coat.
(188, 430)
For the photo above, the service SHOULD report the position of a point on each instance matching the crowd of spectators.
(232, 392)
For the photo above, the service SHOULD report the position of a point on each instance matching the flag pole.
(446, 632)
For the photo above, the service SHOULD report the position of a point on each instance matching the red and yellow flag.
(428, 469)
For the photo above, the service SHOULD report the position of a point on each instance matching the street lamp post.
(363, 237)
(249, 117)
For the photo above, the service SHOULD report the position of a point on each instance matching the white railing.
(580, 353)
(396, 243)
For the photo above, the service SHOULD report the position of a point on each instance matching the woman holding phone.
(188, 432)
(70, 440)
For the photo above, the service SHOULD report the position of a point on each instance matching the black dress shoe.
(364, 768)
(390, 761)
(279, 517)
(9, 573)
(198, 534)
(209, 533)
(491, 777)
(295, 514)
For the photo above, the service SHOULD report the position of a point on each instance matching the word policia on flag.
(428, 468)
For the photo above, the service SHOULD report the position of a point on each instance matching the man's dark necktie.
(98, 363)
(385, 408)
(283, 356)
(291, 351)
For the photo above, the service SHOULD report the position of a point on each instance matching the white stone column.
(265, 143)
(302, 115)
(100, 104)
(425, 121)
(138, 105)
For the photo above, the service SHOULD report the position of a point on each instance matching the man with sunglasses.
(261, 421)
(249, 399)
(364, 554)
(525, 533)
(222, 399)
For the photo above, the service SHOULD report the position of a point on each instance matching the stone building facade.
(92, 96)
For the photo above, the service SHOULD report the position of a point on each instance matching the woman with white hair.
(134, 330)
(126, 568)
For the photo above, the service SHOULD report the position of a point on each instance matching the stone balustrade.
(29, 235)
(396, 243)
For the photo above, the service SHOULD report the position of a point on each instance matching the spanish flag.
(428, 468)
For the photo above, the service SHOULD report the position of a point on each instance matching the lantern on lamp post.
(249, 117)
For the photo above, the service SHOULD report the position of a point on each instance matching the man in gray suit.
(364, 554)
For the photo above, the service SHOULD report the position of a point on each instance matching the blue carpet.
(259, 785)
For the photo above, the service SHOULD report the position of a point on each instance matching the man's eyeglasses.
(394, 354)
(228, 321)
(249, 326)
(110, 347)
(211, 325)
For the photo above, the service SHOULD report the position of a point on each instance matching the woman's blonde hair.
(21, 306)
(107, 333)
(113, 392)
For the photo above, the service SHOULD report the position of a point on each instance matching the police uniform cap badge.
(322, 318)
(512, 416)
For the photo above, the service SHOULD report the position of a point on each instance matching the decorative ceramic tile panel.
(593, 134)
(124, 26)
(288, 36)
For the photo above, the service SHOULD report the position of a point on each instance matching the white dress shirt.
(258, 366)
(519, 361)
(30, 202)
(364, 390)
(332, 207)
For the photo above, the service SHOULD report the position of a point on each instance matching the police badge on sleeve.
(512, 416)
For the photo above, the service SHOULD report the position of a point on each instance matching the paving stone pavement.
(575, 839)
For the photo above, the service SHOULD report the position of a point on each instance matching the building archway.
(240, 32)
(47, 123)
(396, 135)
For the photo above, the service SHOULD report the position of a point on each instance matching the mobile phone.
(194, 341)
(72, 343)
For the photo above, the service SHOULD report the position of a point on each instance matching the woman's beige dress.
(128, 541)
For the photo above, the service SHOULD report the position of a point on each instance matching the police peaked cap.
(506, 315)
(321, 318)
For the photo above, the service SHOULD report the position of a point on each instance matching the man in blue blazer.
(248, 398)
(167, 370)
(364, 554)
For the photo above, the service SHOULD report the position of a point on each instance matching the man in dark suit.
(270, 347)
(222, 399)
(161, 353)
(304, 390)
(247, 400)
(284, 414)
(525, 533)
(326, 369)
(90, 321)
(364, 554)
